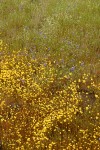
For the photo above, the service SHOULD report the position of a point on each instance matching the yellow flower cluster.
(40, 110)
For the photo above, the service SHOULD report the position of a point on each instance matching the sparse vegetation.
(49, 75)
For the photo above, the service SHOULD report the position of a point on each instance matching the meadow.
(50, 74)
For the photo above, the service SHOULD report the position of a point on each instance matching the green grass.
(70, 29)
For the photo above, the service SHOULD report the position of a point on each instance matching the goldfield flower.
(41, 110)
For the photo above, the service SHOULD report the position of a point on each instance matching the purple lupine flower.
(72, 68)
(82, 63)
(45, 64)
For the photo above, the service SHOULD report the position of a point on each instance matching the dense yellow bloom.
(40, 110)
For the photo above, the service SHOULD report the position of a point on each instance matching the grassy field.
(50, 74)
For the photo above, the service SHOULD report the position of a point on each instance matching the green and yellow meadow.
(49, 75)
